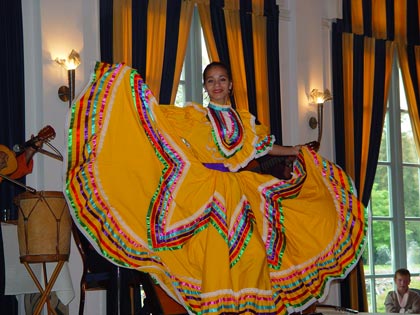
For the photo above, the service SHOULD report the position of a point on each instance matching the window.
(190, 86)
(394, 234)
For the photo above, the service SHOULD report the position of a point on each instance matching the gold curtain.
(410, 90)
(122, 25)
(236, 54)
(156, 34)
(260, 51)
(204, 12)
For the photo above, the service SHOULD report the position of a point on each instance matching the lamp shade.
(72, 61)
(319, 97)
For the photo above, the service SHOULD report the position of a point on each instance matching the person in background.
(402, 300)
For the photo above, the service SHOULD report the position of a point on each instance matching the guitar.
(44, 135)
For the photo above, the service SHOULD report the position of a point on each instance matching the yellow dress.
(217, 242)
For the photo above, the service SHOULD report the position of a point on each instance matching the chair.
(162, 303)
(123, 286)
(415, 290)
(97, 271)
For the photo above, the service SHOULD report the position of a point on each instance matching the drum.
(44, 226)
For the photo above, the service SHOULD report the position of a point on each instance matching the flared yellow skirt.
(217, 242)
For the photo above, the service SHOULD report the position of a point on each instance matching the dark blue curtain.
(12, 112)
(273, 53)
(105, 25)
(139, 22)
(173, 13)
(12, 98)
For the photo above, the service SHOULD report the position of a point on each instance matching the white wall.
(52, 28)
(305, 64)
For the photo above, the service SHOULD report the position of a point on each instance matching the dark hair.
(402, 272)
(216, 64)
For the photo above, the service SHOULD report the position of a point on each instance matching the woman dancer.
(157, 188)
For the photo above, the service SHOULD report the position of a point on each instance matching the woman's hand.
(295, 149)
(314, 145)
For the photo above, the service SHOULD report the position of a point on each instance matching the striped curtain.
(152, 36)
(244, 35)
(149, 35)
(364, 42)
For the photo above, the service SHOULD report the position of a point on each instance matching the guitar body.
(11, 161)
(277, 166)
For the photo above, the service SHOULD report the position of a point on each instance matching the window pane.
(182, 78)
(180, 95)
(411, 191)
(383, 151)
(380, 193)
(412, 232)
(409, 151)
(382, 253)
(205, 60)
(403, 98)
(383, 286)
(369, 287)
(415, 282)
(366, 260)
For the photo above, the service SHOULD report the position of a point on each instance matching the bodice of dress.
(220, 134)
(227, 129)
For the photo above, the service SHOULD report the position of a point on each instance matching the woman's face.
(218, 85)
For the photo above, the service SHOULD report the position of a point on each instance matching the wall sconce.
(66, 93)
(319, 98)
